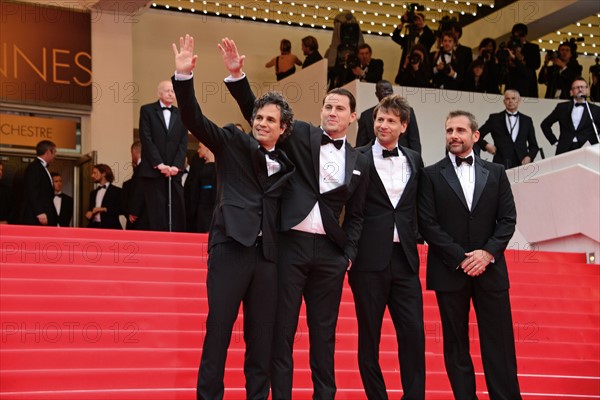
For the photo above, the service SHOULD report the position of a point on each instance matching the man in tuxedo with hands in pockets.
(252, 172)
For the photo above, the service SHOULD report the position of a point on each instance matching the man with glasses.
(578, 120)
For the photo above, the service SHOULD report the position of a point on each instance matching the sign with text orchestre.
(27, 131)
(45, 55)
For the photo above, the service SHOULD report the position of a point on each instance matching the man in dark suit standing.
(133, 206)
(252, 172)
(315, 250)
(38, 188)
(467, 215)
(370, 69)
(105, 201)
(366, 133)
(386, 271)
(63, 203)
(512, 132)
(578, 120)
(164, 145)
(200, 190)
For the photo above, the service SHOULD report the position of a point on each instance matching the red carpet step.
(94, 314)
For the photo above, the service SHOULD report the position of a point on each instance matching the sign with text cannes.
(45, 55)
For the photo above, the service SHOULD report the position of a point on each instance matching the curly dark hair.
(285, 111)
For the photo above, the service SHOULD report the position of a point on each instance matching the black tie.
(512, 115)
(57, 195)
(166, 108)
(460, 160)
(390, 153)
(579, 104)
(273, 155)
(337, 143)
(101, 187)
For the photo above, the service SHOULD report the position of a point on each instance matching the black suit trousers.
(238, 274)
(312, 266)
(398, 288)
(496, 337)
(156, 199)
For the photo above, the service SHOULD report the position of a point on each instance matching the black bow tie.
(273, 155)
(512, 115)
(579, 104)
(166, 108)
(460, 160)
(337, 143)
(57, 195)
(102, 187)
(390, 153)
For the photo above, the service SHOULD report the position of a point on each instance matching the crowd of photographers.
(438, 60)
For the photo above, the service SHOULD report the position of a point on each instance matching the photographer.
(416, 32)
(531, 57)
(560, 74)
(483, 75)
(367, 69)
(416, 71)
(447, 72)
(513, 71)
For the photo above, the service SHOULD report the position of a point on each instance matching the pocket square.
(356, 172)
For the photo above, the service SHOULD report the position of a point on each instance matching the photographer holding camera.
(363, 67)
(483, 74)
(416, 71)
(447, 69)
(531, 57)
(513, 70)
(560, 74)
(415, 32)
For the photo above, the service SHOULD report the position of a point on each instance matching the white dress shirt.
(466, 176)
(394, 173)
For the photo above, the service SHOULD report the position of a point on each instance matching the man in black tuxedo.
(252, 172)
(370, 69)
(449, 65)
(133, 197)
(315, 250)
(200, 190)
(467, 215)
(38, 188)
(386, 271)
(63, 203)
(366, 133)
(576, 124)
(512, 132)
(105, 201)
(164, 145)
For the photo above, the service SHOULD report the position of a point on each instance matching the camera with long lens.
(486, 55)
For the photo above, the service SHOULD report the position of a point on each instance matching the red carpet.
(92, 314)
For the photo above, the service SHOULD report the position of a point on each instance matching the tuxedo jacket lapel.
(315, 150)
(374, 175)
(481, 176)
(351, 156)
(412, 180)
(450, 176)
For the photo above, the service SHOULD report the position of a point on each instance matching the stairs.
(95, 314)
